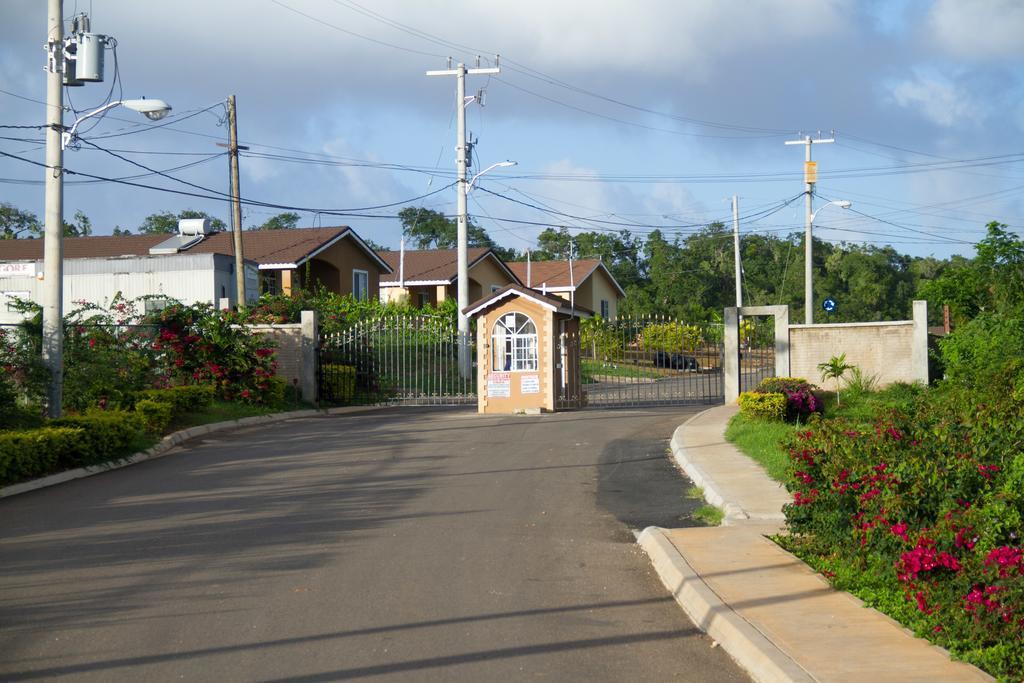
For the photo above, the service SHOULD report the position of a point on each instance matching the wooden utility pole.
(236, 201)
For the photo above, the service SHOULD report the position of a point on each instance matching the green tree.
(993, 281)
(281, 221)
(433, 230)
(15, 223)
(121, 232)
(834, 368)
(621, 252)
(81, 227)
(167, 222)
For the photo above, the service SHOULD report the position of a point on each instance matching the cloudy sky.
(637, 115)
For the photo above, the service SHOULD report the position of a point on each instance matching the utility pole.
(236, 209)
(810, 178)
(736, 249)
(462, 191)
(53, 248)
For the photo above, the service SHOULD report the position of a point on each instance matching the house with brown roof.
(584, 282)
(194, 266)
(422, 277)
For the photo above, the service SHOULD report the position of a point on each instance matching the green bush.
(35, 452)
(188, 398)
(801, 400)
(338, 382)
(155, 415)
(106, 435)
(981, 348)
(922, 514)
(276, 391)
(763, 406)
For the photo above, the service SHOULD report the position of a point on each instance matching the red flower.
(263, 353)
(900, 529)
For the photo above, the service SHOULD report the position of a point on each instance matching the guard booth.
(522, 364)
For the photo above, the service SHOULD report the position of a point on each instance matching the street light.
(809, 255)
(53, 236)
(465, 362)
(154, 110)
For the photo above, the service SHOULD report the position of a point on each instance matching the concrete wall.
(884, 349)
(895, 351)
(296, 352)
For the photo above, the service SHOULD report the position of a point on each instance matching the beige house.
(428, 277)
(586, 282)
(334, 258)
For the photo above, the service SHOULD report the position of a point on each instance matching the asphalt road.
(404, 544)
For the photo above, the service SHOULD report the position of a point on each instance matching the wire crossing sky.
(619, 119)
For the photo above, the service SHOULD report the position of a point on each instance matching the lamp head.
(154, 110)
(844, 204)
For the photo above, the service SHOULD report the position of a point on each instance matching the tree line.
(691, 276)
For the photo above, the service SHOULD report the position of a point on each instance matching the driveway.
(399, 544)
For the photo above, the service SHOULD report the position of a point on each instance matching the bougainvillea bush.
(801, 399)
(921, 514)
(199, 345)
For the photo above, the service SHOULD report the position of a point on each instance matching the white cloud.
(978, 29)
(937, 99)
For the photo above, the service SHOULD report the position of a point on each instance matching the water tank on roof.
(193, 226)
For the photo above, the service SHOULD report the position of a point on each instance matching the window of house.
(10, 297)
(154, 304)
(360, 285)
(424, 299)
(514, 343)
(605, 308)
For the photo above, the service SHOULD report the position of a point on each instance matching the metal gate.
(643, 362)
(757, 351)
(397, 359)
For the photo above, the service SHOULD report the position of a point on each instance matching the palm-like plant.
(834, 368)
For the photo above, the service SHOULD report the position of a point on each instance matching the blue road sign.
(829, 305)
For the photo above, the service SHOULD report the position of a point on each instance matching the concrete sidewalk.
(775, 616)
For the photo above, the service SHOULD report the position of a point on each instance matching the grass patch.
(223, 411)
(590, 370)
(759, 440)
(707, 514)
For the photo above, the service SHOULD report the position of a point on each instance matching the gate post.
(307, 368)
(731, 355)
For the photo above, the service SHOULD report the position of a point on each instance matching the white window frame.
(360, 293)
(514, 344)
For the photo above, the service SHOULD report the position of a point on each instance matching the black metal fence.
(645, 362)
(397, 359)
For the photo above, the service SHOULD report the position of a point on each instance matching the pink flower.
(900, 529)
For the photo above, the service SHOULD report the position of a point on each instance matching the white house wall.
(189, 278)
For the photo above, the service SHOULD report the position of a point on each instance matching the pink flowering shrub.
(925, 508)
(801, 401)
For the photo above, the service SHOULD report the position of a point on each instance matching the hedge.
(763, 406)
(106, 435)
(27, 454)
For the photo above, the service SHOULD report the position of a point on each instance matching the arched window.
(514, 343)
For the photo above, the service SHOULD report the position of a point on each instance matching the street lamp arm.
(151, 109)
(500, 164)
(841, 203)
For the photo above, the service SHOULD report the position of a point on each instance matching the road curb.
(158, 451)
(734, 512)
(750, 648)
